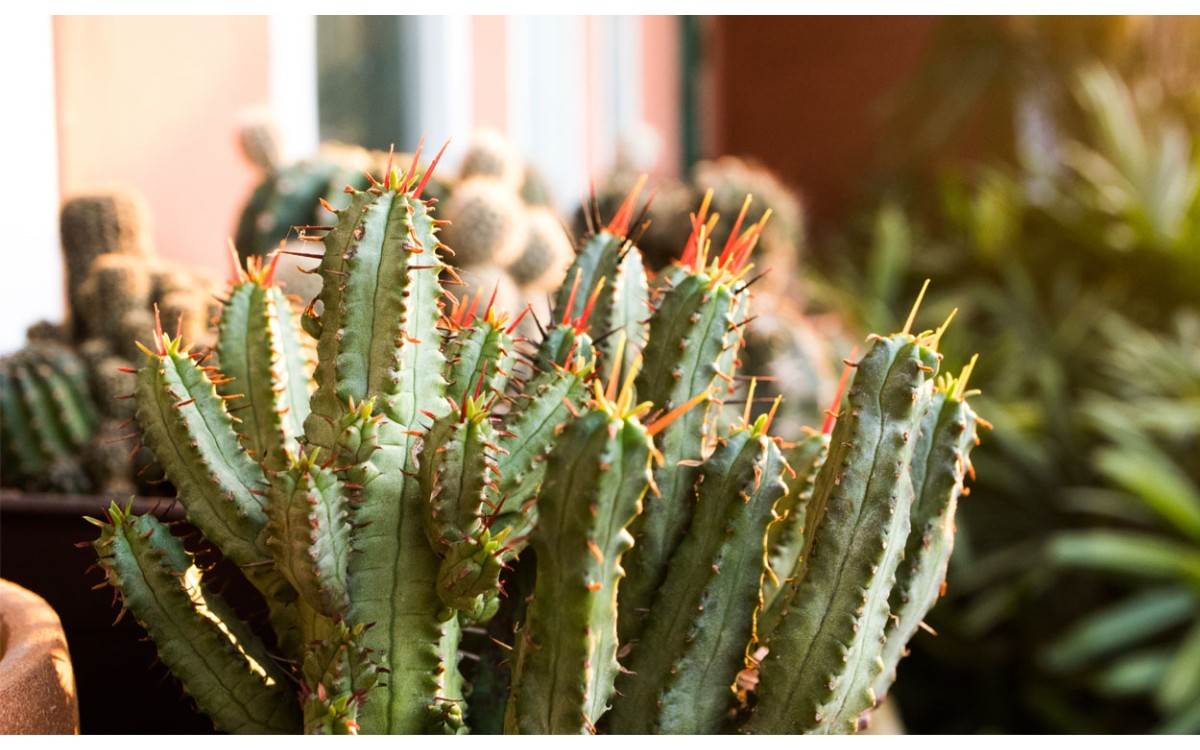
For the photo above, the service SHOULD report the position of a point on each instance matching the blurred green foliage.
(1068, 238)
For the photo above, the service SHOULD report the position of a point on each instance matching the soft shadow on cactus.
(381, 503)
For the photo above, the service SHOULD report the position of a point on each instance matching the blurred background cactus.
(67, 394)
(505, 233)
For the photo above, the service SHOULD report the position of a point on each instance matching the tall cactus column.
(379, 340)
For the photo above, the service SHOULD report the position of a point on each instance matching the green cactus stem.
(224, 667)
(263, 363)
(679, 677)
(695, 322)
(565, 665)
(941, 463)
(825, 645)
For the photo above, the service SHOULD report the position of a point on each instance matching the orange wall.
(153, 102)
(802, 94)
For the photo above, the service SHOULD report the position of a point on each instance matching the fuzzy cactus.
(380, 504)
(488, 223)
(492, 155)
(546, 254)
(114, 221)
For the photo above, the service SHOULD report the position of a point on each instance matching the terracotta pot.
(37, 686)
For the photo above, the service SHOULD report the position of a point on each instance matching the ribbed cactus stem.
(679, 676)
(565, 665)
(223, 490)
(694, 325)
(264, 366)
(941, 464)
(785, 537)
(222, 664)
(824, 652)
(379, 340)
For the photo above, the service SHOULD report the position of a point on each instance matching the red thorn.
(620, 222)
(268, 278)
(831, 414)
(429, 171)
(412, 171)
(732, 241)
(692, 249)
(581, 325)
(235, 266)
(571, 299)
(487, 313)
(513, 326)
(479, 385)
(158, 333)
(387, 173)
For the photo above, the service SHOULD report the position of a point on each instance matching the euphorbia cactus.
(377, 505)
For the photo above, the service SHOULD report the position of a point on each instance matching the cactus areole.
(692, 573)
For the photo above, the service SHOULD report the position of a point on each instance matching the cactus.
(547, 252)
(378, 518)
(48, 418)
(492, 155)
(108, 221)
(487, 222)
(114, 282)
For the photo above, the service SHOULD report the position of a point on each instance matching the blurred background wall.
(155, 102)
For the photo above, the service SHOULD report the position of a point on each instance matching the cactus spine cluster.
(377, 506)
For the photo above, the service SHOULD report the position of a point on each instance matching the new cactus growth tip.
(687, 579)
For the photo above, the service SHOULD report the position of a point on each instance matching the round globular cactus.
(488, 223)
(492, 155)
(543, 262)
(116, 286)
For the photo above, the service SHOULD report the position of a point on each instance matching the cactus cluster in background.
(504, 230)
(384, 506)
(49, 418)
(114, 281)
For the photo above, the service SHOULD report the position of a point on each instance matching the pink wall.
(661, 85)
(489, 35)
(153, 102)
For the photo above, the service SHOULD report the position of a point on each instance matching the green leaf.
(1128, 553)
(1180, 687)
(1137, 674)
(1117, 627)
(1156, 481)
